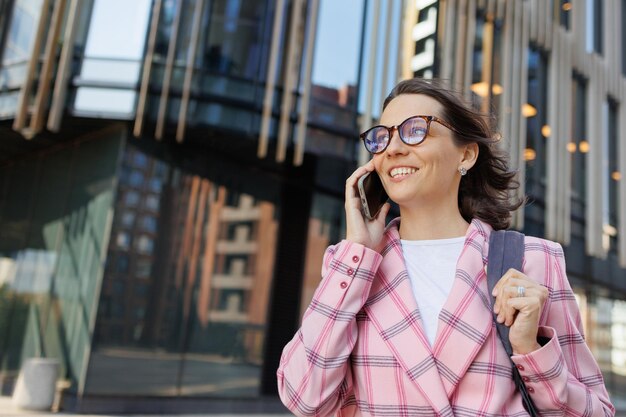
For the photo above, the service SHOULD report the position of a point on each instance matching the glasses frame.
(396, 128)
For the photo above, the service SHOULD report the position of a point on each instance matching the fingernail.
(494, 292)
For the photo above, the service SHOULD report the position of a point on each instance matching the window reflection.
(113, 57)
(611, 176)
(19, 42)
(535, 112)
(188, 316)
(326, 226)
(577, 146)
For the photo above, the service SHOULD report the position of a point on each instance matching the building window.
(486, 86)
(113, 57)
(139, 160)
(19, 41)
(595, 25)
(562, 12)
(131, 199)
(122, 263)
(535, 112)
(136, 179)
(142, 268)
(579, 146)
(144, 244)
(118, 287)
(152, 203)
(128, 218)
(612, 175)
(155, 185)
(140, 290)
(117, 310)
(623, 27)
(123, 240)
(149, 224)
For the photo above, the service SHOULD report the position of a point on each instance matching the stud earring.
(462, 171)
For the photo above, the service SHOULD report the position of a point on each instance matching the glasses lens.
(376, 139)
(413, 130)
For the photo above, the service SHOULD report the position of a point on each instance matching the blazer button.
(530, 389)
(350, 271)
(525, 379)
(355, 259)
(343, 285)
(520, 367)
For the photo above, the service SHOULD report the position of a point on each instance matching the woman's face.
(423, 175)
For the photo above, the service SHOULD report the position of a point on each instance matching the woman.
(400, 324)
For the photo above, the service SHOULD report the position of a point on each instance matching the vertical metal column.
(167, 76)
(147, 68)
(303, 113)
(191, 62)
(45, 77)
(270, 85)
(24, 97)
(65, 66)
(292, 68)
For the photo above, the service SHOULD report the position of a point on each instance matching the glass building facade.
(171, 172)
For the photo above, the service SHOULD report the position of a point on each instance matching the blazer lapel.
(393, 310)
(465, 320)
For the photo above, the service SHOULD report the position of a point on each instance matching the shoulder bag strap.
(506, 250)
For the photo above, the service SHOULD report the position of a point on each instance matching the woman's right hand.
(359, 229)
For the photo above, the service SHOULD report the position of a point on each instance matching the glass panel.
(486, 84)
(183, 305)
(606, 333)
(19, 42)
(562, 12)
(337, 52)
(578, 147)
(326, 227)
(594, 25)
(623, 34)
(535, 112)
(105, 101)
(232, 42)
(612, 175)
(113, 57)
(54, 217)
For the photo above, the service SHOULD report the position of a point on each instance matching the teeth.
(396, 172)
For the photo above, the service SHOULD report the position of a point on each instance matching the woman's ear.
(470, 155)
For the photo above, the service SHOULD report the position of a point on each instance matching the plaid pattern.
(361, 350)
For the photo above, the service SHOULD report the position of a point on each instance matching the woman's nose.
(396, 145)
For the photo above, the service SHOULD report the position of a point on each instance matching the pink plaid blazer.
(361, 350)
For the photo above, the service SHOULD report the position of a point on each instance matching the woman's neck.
(431, 224)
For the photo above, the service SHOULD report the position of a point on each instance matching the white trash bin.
(36, 384)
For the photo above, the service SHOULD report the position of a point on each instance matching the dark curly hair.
(486, 190)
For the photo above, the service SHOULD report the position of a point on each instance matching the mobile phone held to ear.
(373, 195)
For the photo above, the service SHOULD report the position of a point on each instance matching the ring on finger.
(521, 291)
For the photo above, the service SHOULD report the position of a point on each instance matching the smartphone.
(372, 193)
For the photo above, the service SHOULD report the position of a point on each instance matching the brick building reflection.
(201, 274)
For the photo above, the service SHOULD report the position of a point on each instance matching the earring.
(462, 171)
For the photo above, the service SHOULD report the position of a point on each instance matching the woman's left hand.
(520, 309)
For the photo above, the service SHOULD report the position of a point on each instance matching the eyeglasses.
(412, 131)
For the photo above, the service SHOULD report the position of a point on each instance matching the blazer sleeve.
(314, 375)
(562, 376)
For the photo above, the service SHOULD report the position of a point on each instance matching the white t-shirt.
(431, 265)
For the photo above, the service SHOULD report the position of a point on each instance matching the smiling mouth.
(402, 172)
